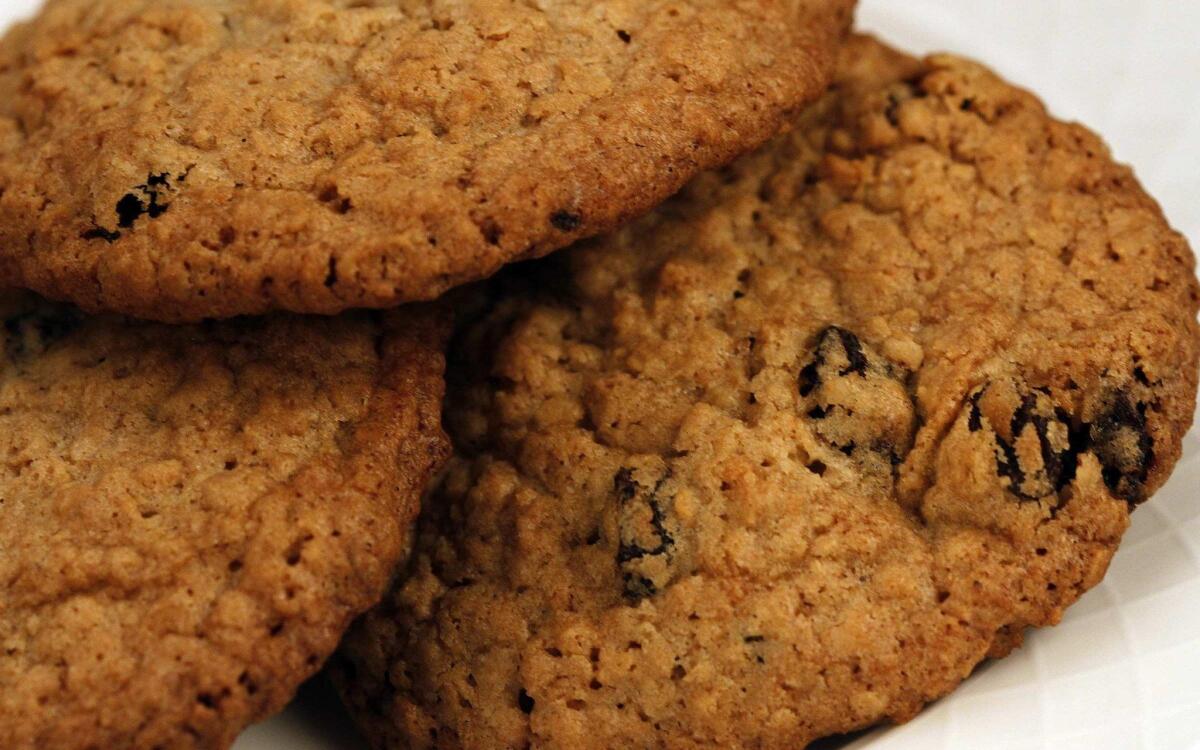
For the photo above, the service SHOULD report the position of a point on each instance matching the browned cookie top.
(189, 159)
(793, 454)
(190, 516)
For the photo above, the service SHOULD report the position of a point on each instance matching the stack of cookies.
(597, 373)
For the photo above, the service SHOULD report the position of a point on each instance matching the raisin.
(830, 342)
(100, 233)
(129, 209)
(525, 702)
(1036, 449)
(858, 402)
(565, 221)
(1121, 442)
(646, 553)
(147, 199)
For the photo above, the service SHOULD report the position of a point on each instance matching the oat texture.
(191, 516)
(187, 159)
(793, 454)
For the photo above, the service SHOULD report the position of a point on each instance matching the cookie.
(192, 159)
(191, 516)
(794, 454)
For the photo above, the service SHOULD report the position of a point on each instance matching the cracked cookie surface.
(188, 160)
(191, 515)
(796, 452)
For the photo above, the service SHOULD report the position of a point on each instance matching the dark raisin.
(525, 702)
(809, 379)
(129, 209)
(856, 360)
(155, 188)
(1036, 448)
(1121, 441)
(100, 233)
(646, 553)
(831, 342)
(565, 221)
(624, 36)
(975, 417)
(859, 402)
(147, 199)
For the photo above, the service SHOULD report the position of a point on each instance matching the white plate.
(1122, 671)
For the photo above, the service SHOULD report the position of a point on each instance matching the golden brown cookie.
(190, 516)
(792, 455)
(187, 160)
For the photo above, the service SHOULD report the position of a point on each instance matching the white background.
(1123, 670)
